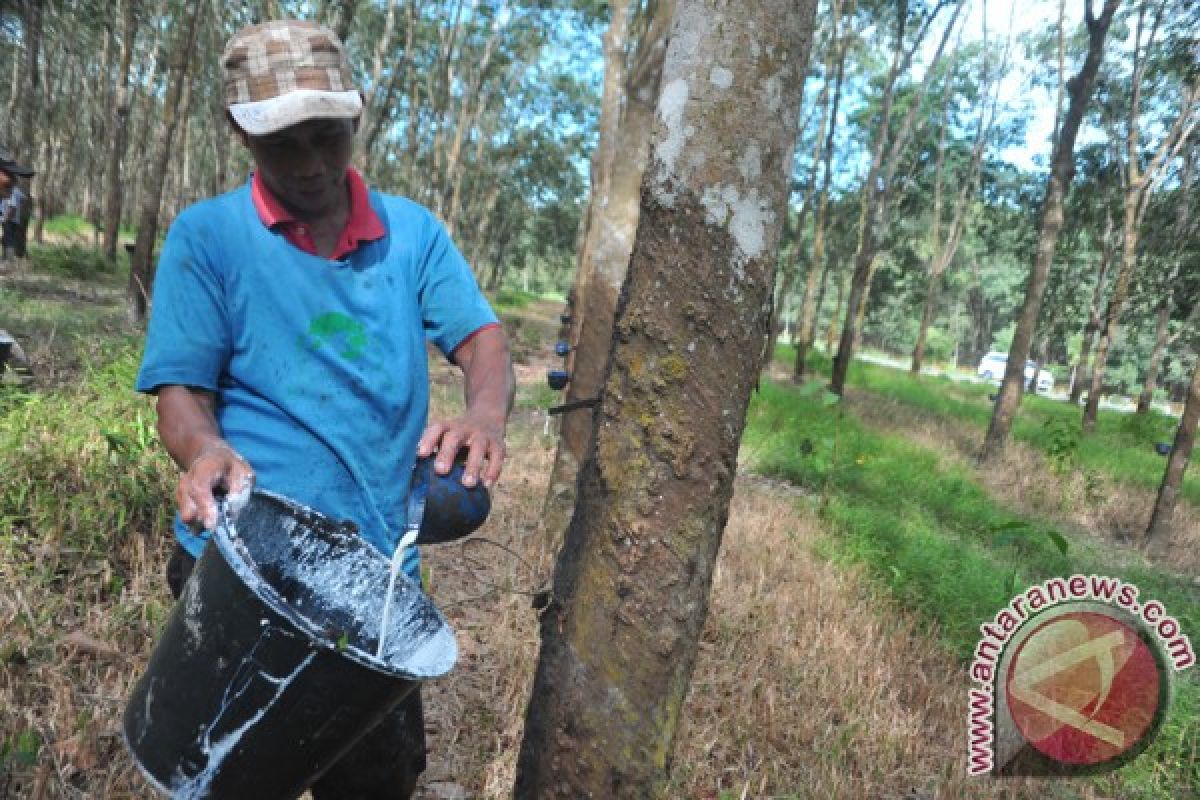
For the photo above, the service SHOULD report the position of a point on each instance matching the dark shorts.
(385, 763)
(14, 239)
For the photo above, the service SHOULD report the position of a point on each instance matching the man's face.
(305, 165)
(6, 183)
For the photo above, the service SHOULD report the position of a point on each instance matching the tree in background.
(818, 264)
(1062, 171)
(120, 128)
(465, 111)
(1166, 289)
(632, 76)
(620, 636)
(141, 271)
(888, 149)
(1159, 531)
(944, 249)
(1139, 177)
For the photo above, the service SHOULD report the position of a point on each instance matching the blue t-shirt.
(319, 367)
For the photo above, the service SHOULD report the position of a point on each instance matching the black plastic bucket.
(265, 672)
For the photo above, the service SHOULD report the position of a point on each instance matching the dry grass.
(1023, 479)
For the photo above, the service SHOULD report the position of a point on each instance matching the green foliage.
(537, 396)
(69, 225)
(20, 749)
(1061, 438)
(939, 345)
(85, 468)
(71, 260)
(1147, 429)
(1002, 339)
(508, 299)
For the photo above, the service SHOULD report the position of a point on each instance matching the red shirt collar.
(363, 224)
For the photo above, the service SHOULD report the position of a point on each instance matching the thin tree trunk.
(1158, 534)
(11, 120)
(807, 327)
(789, 270)
(31, 98)
(141, 273)
(878, 189)
(1062, 172)
(946, 249)
(1137, 185)
(620, 637)
(935, 228)
(613, 222)
(1083, 371)
(1160, 347)
(120, 130)
(831, 332)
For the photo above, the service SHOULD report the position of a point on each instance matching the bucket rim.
(236, 555)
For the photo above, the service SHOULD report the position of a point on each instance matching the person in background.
(15, 208)
(287, 340)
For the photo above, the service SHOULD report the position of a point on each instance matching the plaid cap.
(281, 73)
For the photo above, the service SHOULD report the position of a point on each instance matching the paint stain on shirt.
(338, 330)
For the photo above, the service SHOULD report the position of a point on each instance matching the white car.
(991, 368)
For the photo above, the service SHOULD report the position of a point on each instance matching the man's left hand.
(483, 439)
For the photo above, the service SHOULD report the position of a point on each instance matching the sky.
(1027, 16)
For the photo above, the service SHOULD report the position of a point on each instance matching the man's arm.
(188, 428)
(490, 388)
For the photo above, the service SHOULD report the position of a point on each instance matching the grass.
(1121, 448)
(73, 226)
(943, 547)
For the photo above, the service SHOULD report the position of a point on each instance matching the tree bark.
(1158, 533)
(120, 130)
(1062, 172)
(141, 272)
(877, 189)
(620, 636)
(31, 99)
(1137, 185)
(1163, 316)
(945, 249)
(813, 294)
(604, 260)
(1083, 371)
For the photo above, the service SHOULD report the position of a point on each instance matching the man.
(287, 340)
(15, 208)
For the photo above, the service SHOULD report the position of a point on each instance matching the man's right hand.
(216, 467)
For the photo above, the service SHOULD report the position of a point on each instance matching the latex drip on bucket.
(266, 671)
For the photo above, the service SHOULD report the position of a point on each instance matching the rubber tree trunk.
(605, 261)
(1163, 317)
(1158, 534)
(620, 636)
(120, 131)
(141, 272)
(1112, 316)
(560, 495)
(31, 96)
(1138, 181)
(814, 291)
(878, 189)
(1083, 371)
(1062, 172)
